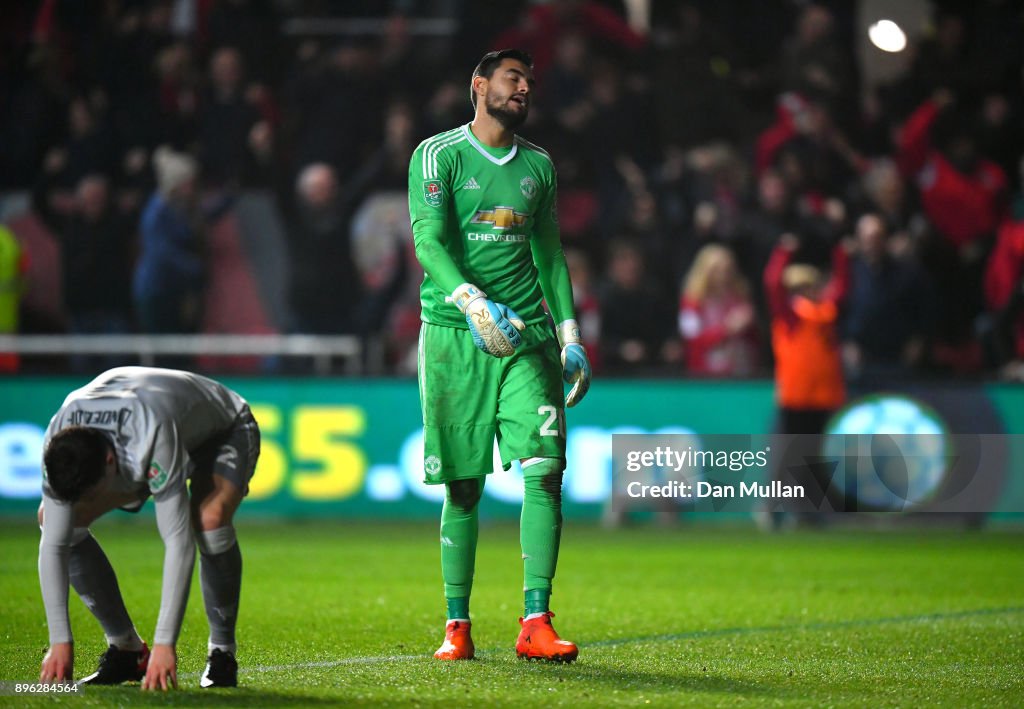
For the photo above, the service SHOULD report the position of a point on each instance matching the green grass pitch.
(349, 614)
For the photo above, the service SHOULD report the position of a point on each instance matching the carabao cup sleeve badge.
(157, 476)
(432, 193)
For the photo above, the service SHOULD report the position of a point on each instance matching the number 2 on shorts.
(555, 416)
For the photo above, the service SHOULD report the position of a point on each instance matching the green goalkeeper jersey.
(487, 216)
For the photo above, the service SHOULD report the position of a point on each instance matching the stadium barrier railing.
(321, 349)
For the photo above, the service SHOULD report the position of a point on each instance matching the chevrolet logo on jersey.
(501, 218)
(478, 236)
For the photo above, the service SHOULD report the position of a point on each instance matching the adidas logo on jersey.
(472, 184)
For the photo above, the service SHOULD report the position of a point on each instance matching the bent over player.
(483, 207)
(130, 433)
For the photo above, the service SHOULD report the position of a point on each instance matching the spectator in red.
(792, 116)
(716, 317)
(825, 161)
(1004, 293)
(962, 195)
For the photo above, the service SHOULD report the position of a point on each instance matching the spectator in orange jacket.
(808, 375)
(805, 339)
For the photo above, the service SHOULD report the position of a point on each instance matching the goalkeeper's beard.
(509, 120)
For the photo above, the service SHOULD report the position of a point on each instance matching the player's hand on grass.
(495, 327)
(58, 664)
(162, 672)
(575, 365)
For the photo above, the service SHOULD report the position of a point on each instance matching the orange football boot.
(458, 644)
(539, 641)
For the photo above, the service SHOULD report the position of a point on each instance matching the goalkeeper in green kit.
(483, 206)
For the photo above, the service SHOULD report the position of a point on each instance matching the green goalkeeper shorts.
(469, 399)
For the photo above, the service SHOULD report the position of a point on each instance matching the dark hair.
(74, 461)
(490, 61)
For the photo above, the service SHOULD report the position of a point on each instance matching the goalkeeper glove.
(495, 327)
(575, 365)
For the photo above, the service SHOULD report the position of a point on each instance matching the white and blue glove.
(495, 327)
(575, 365)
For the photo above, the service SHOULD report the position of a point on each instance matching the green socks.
(458, 608)
(459, 530)
(540, 530)
(536, 601)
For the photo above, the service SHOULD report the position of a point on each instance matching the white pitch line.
(366, 660)
(381, 659)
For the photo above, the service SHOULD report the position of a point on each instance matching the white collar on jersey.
(497, 161)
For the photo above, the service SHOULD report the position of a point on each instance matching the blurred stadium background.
(690, 137)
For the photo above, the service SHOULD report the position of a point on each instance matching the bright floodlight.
(887, 36)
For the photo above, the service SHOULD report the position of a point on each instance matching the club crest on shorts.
(432, 193)
(528, 186)
(432, 465)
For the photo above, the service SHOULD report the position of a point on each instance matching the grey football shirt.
(153, 418)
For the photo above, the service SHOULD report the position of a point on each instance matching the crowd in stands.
(691, 152)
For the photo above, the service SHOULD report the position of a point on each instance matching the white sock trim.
(532, 461)
(534, 615)
(216, 541)
(211, 646)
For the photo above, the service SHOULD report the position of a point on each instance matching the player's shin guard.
(540, 529)
(459, 531)
(220, 577)
(93, 579)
